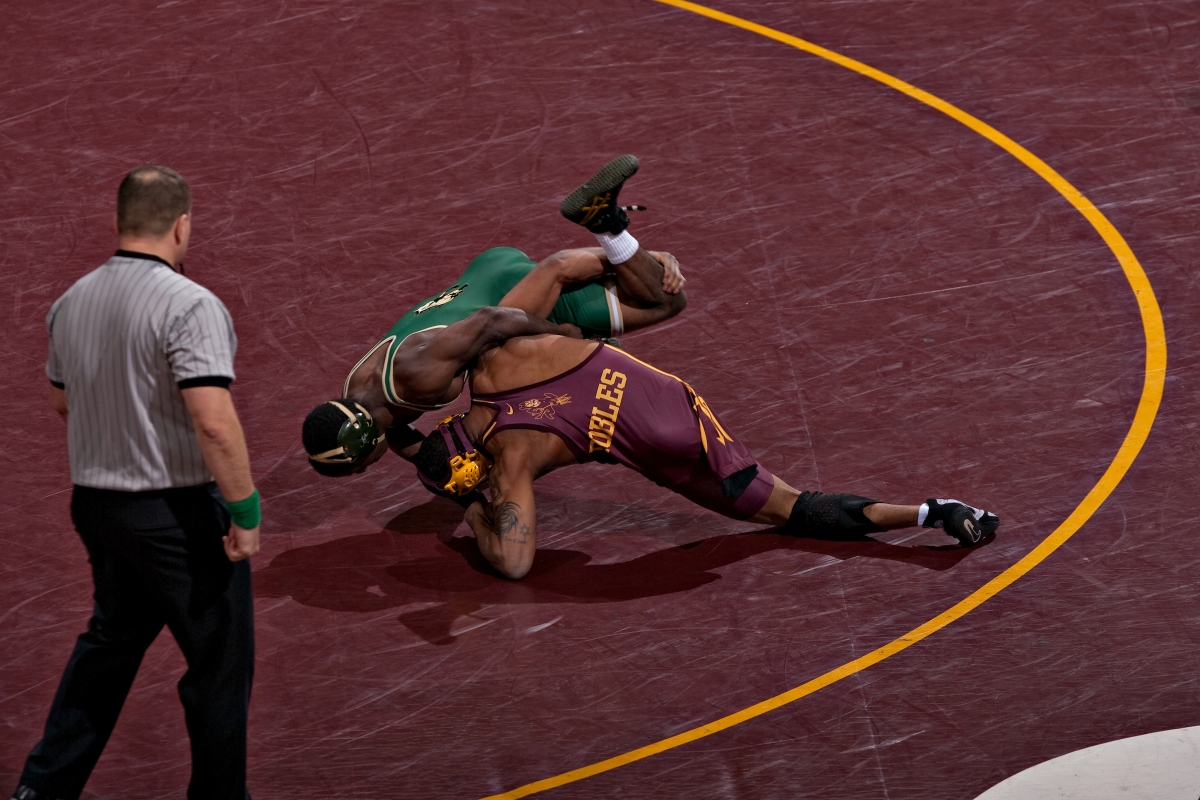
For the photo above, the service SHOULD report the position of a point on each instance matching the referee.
(141, 359)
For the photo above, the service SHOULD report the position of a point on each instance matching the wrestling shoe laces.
(966, 523)
(594, 205)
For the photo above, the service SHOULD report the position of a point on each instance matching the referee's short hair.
(150, 199)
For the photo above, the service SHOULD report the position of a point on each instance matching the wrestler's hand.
(673, 279)
(475, 513)
(240, 542)
(570, 331)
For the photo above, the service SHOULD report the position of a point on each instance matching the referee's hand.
(241, 543)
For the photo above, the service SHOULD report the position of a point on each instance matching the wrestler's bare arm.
(506, 528)
(650, 289)
(424, 368)
(673, 280)
(540, 289)
(408, 446)
(640, 280)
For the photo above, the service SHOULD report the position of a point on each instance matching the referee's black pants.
(157, 559)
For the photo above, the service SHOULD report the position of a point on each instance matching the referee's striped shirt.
(123, 341)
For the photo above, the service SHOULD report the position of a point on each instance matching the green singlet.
(489, 277)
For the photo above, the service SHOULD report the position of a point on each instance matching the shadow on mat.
(425, 564)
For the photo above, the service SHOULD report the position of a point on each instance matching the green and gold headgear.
(339, 436)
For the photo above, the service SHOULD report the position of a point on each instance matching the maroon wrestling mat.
(881, 301)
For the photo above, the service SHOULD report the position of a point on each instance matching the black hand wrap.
(830, 516)
(402, 436)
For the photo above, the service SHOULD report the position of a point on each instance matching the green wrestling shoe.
(594, 205)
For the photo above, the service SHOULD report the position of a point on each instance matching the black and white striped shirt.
(123, 341)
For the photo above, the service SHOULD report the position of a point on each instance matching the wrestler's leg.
(643, 282)
(782, 502)
(635, 318)
(851, 516)
(539, 290)
(642, 289)
(596, 306)
(641, 279)
(888, 516)
(779, 504)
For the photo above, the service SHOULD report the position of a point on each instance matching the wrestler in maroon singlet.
(580, 401)
(613, 408)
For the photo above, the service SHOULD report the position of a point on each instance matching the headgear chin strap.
(468, 466)
(357, 438)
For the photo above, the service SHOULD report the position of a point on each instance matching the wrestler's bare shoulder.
(528, 359)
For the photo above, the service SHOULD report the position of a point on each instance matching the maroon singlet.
(616, 409)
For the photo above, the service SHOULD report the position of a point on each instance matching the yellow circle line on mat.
(1143, 420)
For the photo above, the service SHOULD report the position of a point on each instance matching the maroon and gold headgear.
(467, 465)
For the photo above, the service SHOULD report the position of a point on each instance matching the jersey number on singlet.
(603, 424)
(441, 299)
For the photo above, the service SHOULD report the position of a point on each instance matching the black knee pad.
(831, 516)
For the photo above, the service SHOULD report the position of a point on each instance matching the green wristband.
(246, 513)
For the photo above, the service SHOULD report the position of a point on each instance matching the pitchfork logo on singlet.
(544, 408)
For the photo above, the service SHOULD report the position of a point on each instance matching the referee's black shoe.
(967, 524)
(25, 793)
(594, 205)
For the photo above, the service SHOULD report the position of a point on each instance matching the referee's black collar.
(147, 256)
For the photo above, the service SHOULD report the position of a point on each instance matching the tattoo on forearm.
(506, 517)
(509, 525)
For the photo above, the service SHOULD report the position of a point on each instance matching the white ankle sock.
(923, 514)
(618, 249)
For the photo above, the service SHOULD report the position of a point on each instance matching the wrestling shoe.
(594, 205)
(967, 524)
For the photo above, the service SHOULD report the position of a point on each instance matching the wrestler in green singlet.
(593, 307)
(422, 363)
